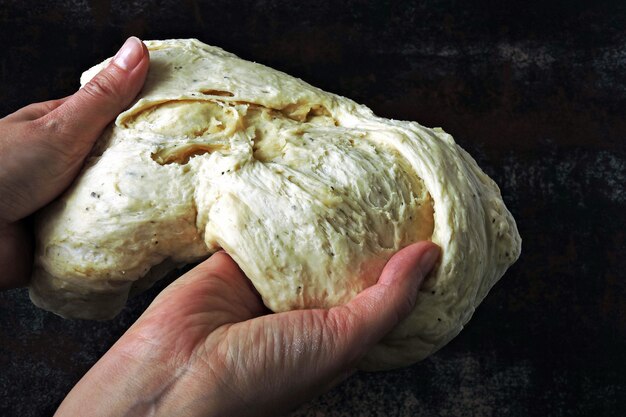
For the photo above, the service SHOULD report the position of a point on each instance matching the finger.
(374, 312)
(82, 117)
(222, 266)
(216, 287)
(35, 110)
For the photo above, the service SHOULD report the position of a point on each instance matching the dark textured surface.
(535, 91)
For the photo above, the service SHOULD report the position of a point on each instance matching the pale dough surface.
(309, 192)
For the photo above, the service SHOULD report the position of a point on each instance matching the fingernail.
(428, 259)
(130, 54)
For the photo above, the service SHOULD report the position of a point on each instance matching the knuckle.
(342, 322)
(52, 104)
(404, 307)
(350, 344)
(46, 125)
(102, 86)
(55, 139)
(50, 127)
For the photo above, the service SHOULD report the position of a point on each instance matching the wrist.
(135, 378)
(117, 385)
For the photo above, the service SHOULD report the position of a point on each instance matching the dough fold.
(309, 192)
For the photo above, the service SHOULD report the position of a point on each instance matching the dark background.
(535, 91)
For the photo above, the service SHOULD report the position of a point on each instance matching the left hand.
(43, 146)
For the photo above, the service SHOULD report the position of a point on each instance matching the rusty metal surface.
(535, 91)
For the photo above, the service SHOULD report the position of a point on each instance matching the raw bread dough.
(309, 192)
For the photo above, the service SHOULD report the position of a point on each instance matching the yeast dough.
(309, 192)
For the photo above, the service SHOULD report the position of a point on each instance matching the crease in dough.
(309, 192)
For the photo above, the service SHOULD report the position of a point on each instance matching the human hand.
(207, 346)
(43, 145)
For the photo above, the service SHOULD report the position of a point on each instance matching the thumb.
(84, 115)
(374, 312)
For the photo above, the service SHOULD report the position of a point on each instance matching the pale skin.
(206, 346)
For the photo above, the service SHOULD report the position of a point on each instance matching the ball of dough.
(309, 192)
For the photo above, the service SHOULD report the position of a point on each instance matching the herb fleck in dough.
(309, 192)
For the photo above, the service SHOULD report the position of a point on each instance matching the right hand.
(207, 346)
